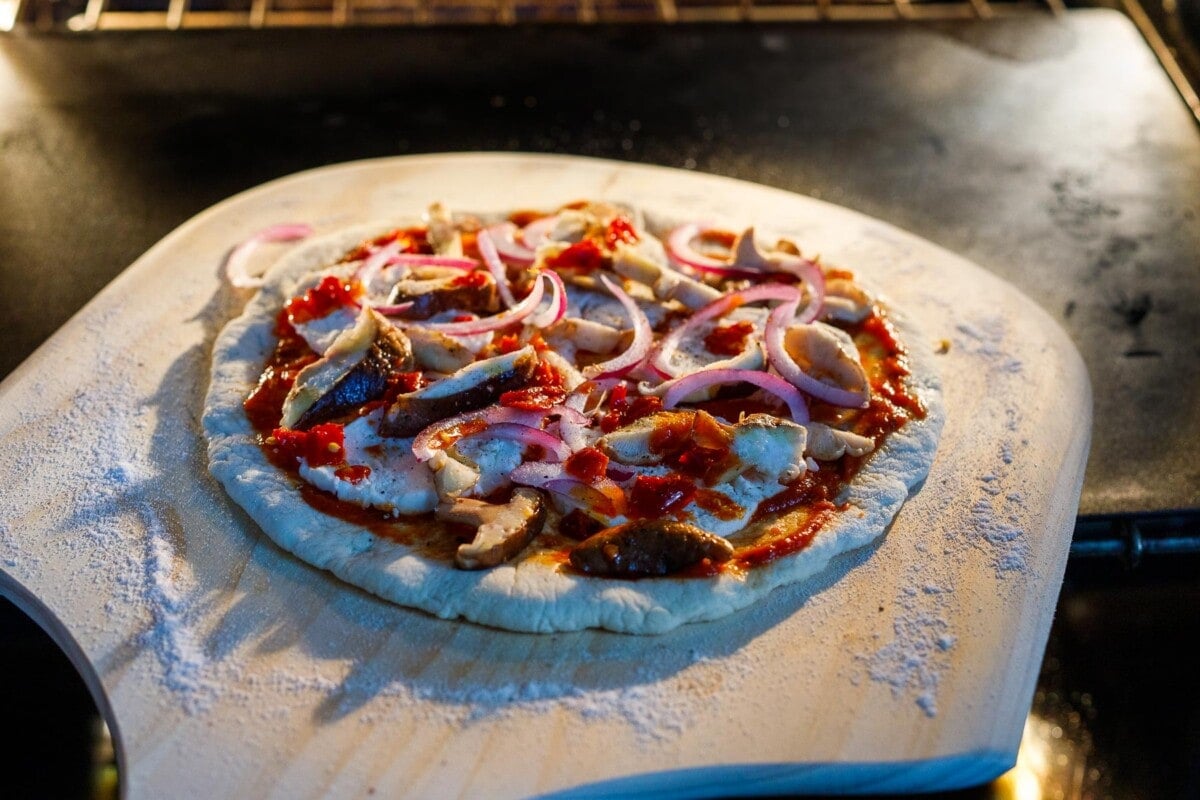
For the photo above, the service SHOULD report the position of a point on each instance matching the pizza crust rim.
(526, 596)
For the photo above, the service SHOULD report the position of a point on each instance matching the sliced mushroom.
(436, 351)
(643, 548)
(501, 532)
(353, 371)
(826, 443)
(474, 386)
(828, 354)
(472, 291)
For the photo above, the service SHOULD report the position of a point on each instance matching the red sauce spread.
(322, 300)
(718, 504)
(730, 339)
(657, 497)
(588, 464)
(585, 256)
(264, 406)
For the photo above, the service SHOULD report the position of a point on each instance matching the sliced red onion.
(237, 262)
(430, 439)
(503, 241)
(763, 380)
(558, 302)
(572, 425)
(643, 338)
(782, 318)
(424, 260)
(487, 249)
(374, 264)
(665, 353)
(603, 495)
(393, 310)
(515, 314)
(553, 446)
(680, 250)
(538, 232)
(812, 275)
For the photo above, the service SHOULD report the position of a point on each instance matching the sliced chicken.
(828, 354)
(826, 443)
(846, 301)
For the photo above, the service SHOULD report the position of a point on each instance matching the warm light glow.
(1029, 777)
(8, 14)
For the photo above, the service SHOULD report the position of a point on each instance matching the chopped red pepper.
(320, 445)
(619, 230)
(588, 464)
(322, 300)
(476, 279)
(653, 496)
(729, 340)
(622, 411)
(585, 256)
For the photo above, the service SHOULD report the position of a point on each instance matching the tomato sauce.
(730, 339)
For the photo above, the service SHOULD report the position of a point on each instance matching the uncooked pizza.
(559, 419)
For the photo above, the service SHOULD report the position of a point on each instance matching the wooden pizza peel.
(226, 667)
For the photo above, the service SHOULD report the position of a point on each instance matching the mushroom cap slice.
(501, 532)
(648, 547)
(474, 386)
(353, 371)
(452, 293)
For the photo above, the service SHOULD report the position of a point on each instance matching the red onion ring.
(428, 441)
(422, 259)
(503, 241)
(811, 274)
(571, 426)
(553, 446)
(538, 231)
(679, 249)
(237, 262)
(558, 302)
(515, 314)
(777, 324)
(374, 264)
(643, 338)
(393, 310)
(603, 494)
(763, 380)
(487, 249)
(661, 361)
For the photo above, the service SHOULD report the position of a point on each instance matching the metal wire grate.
(89, 15)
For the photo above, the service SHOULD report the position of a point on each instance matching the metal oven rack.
(173, 14)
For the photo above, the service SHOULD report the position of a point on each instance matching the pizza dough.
(526, 594)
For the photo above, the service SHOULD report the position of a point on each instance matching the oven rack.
(92, 15)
